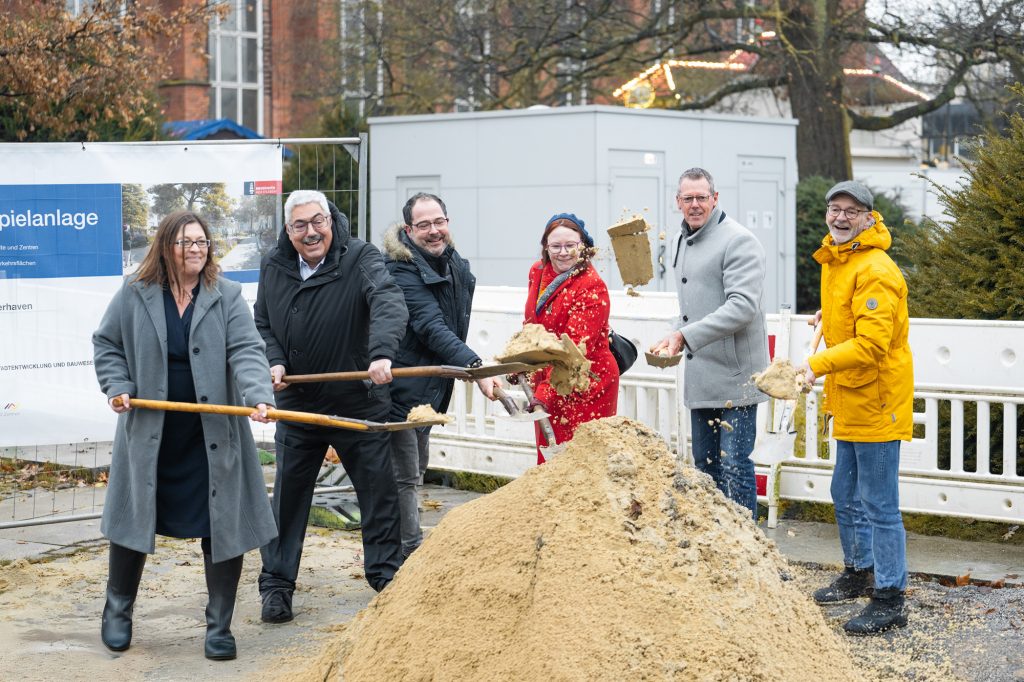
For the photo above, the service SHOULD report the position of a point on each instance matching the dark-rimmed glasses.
(850, 213)
(189, 243)
(300, 226)
(425, 225)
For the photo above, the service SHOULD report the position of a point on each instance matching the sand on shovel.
(611, 562)
(632, 251)
(570, 368)
(781, 380)
(427, 413)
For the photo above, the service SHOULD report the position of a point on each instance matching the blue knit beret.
(571, 217)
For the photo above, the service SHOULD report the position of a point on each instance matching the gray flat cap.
(857, 191)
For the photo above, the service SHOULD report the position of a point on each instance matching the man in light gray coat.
(719, 268)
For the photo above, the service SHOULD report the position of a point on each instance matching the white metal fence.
(968, 376)
(968, 380)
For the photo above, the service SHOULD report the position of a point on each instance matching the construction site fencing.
(48, 482)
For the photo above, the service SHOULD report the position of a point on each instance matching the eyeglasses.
(300, 226)
(697, 198)
(558, 248)
(437, 223)
(850, 213)
(189, 243)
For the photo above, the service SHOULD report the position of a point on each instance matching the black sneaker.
(850, 584)
(885, 611)
(277, 607)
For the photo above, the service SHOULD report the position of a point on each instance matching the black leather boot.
(222, 584)
(884, 612)
(850, 584)
(123, 576)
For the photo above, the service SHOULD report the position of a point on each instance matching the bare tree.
(490, 54)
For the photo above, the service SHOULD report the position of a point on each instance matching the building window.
(76, 7)
(236, 64)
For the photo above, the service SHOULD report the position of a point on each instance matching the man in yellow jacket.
(869, 393)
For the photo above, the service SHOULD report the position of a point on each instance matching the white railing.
(957, 363)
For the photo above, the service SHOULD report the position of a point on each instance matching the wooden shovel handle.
(817, 338)
(446, 371)
(239, 411)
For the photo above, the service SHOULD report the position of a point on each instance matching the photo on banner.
(75, 220)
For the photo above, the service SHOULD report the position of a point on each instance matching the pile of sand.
(610, 562)
(781, 380)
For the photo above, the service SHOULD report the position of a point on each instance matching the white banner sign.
(74, 220)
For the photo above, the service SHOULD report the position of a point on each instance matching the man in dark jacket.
(326, 303)
(438, 288)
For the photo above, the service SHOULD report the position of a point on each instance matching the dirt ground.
(49, 620)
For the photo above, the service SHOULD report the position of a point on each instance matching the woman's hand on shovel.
(260, 414)
(120, 403)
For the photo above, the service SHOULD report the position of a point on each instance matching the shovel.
(281, 415)
(443, 371)
(552, 448)
(569, 354)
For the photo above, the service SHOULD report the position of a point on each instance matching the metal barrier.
(968, 370)
(42, 484)
(957, 362)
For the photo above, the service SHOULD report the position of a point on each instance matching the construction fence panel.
(43, 480)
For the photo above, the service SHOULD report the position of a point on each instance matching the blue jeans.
(865, 492)
(724, 454)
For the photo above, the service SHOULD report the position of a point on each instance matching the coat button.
(295, 309)
(689, 242)
(195, 351)
(213, 493)
(202, 398)
(689, 356)
(685, 318)
(684, 282)
(213, 446)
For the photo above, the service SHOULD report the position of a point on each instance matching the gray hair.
(301, 197)
(697, 173)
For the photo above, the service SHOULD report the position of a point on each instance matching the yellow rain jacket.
(869, 387)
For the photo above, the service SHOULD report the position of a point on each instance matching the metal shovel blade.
(394, 426)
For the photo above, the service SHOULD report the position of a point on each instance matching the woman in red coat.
(566, 295)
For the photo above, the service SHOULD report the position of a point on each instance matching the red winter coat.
(579, 308)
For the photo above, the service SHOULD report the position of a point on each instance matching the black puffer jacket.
(439, 308)
(347, 314)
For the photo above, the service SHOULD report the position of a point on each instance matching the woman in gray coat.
(178, 331)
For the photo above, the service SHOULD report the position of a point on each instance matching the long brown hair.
(156, 266)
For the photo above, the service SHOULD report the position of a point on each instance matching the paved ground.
(49, 611)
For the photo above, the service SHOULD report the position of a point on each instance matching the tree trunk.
(815, 90)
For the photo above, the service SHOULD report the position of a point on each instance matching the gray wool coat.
(228, 367)
(719, 273)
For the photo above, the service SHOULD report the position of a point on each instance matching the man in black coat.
(438, 288)
(326, 303)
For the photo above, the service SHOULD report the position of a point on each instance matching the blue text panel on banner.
(60, 231)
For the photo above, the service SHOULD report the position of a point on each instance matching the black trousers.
(367, 460)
